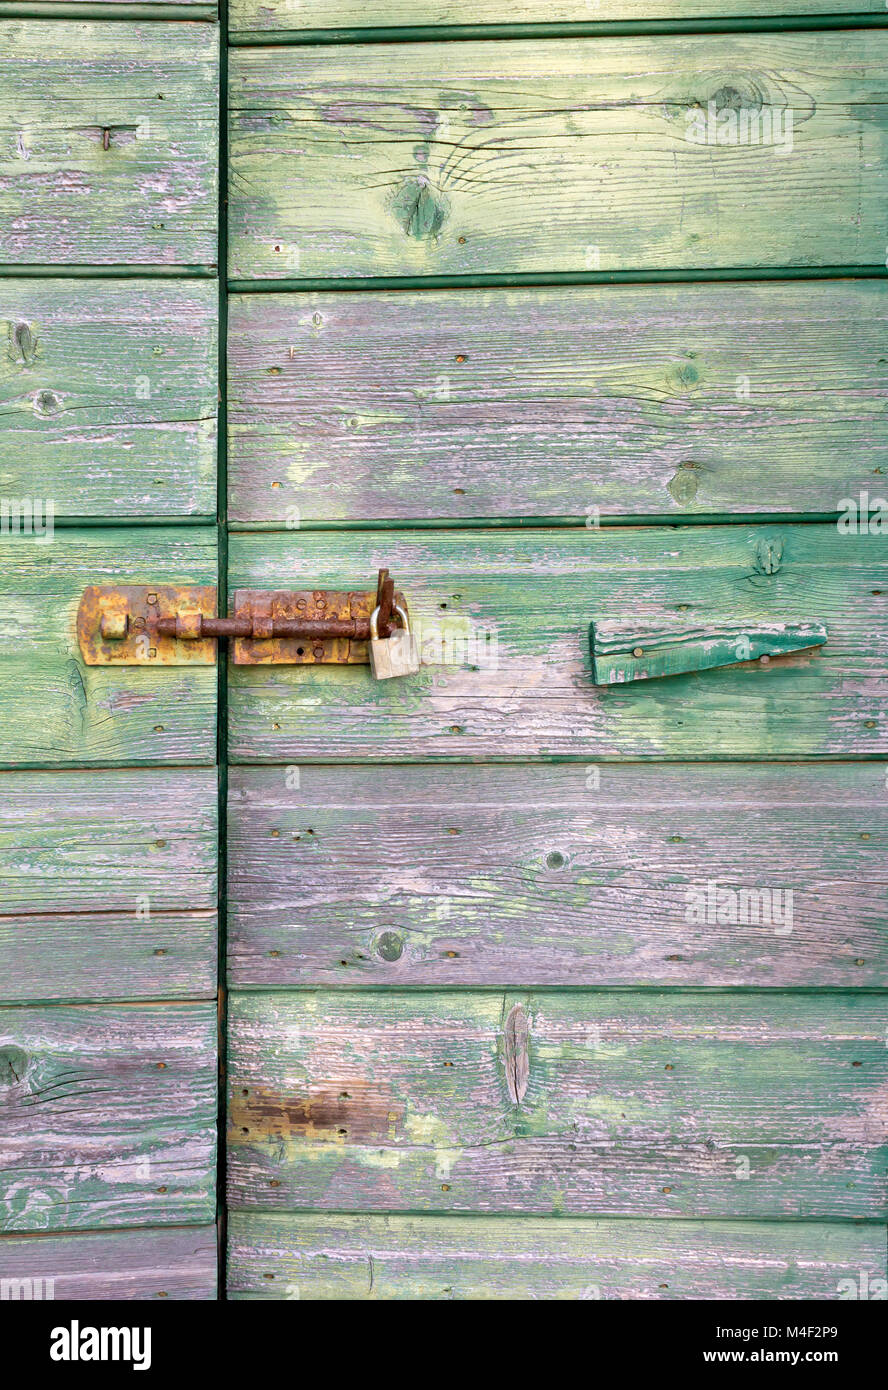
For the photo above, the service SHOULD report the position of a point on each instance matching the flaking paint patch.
(445, 1160)
(429, 1130)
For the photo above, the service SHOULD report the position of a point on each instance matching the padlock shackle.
(374, 621)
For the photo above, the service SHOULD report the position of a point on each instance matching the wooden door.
(540, 987)
(108, 793)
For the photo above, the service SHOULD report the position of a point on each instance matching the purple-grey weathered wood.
(671, 400)
(561, 875)
(178, 1263)
(107, 1116)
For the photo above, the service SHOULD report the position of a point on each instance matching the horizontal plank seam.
(197, 1001)
(732, 520)
(112, 12)
(104, 1231)
(116, 271)
(567, 759)
(436, 1216)
(442, 33)
(554, 279)
(10, 915)
(646, 520)
(667, 992)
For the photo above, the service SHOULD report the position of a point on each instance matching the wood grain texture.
(270, 15)
(568, 155)
(503, 620)
(659, 1104)
(95, 841)
(108, 396)
(109, 1116)
(179, 1263)
(84, 956)
(320, 1256)
(108, 885)
(559, 875)
(637, 399)
(150, 197)
(55, 711)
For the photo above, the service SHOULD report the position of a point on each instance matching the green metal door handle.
(626, 651)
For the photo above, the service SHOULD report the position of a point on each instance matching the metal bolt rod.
(321, 629)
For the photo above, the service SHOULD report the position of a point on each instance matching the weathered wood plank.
(658, 1104)
(636, 399)
(100, 841)
(108, 1116)
(177, 1263)
(146, 192)
(426, 1257)
(108, 396)
(56, 711)
(570, 155)
(79, 957)
(564, 875)
(265, 15)
(503, 619)
(107, 885)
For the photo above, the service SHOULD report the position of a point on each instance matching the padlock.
(395, 655)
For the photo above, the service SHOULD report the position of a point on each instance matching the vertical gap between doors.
(222, 659)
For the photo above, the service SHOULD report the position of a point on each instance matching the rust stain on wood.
(348, 1111)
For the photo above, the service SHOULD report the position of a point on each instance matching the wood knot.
(516, 1059)
(682, 486)
(419, 209)
(768, 554)
(47, 403)
(731, 98)
(22, 344)
(13, 1065)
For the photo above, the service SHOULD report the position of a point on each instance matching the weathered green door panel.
(626, 400)
(692, 1104)
(56, 711)
(269, 15)
(344, 1257)
(618, 874)
(569, 155)
(126, 1096)
(503, 620)
(178, 1263)
(109, 396)
(108, 885)
(108, 143)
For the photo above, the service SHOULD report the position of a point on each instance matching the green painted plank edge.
(442, 33)
(111, 9)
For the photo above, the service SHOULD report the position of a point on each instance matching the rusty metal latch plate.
(309, 605)
(116, 624)
(177, 625)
